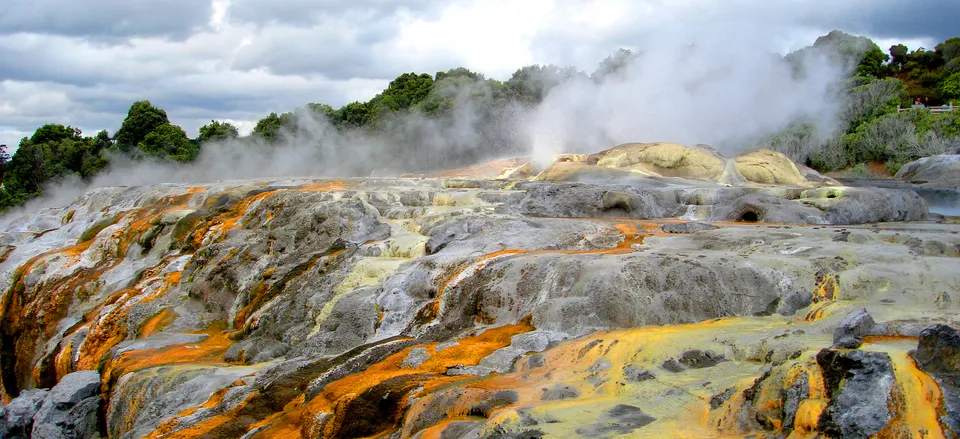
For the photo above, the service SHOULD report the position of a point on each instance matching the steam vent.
(646, 291)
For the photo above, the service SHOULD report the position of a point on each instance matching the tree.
(872, 63)
(459, 71)
(4, 159)
(950, 88)
(353, 115)
(898, 54)
(142, 118)
(532, 83)
(217, 131)
(323, 110)
(270, 128)
(403, 92)
(613, 64)
(169, 141)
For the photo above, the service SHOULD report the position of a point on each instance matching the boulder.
(70, 410)
(16, 418)
(665, 159)
(857, 205)
(859, 385)
(938, 353)
(938, 169)
(850, 332)
(768, 167)
(939, 349)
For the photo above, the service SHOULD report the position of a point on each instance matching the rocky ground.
(651, 290)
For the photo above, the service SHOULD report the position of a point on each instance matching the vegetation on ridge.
(871, 129)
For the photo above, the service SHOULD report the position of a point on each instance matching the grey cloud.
(105, 18)
(338, 50)
(309, 12)
(934, 19)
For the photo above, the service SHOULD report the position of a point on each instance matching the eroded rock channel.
(646, 291)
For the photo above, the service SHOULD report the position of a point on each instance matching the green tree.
(169, 141)
(142, 118)
(898, 54)
(353, 115)
(872, 63)
(4, 159)
(950, 87)
(271, 127)
(217, 131)
(402, 93)
(532, 83)
(324, 110)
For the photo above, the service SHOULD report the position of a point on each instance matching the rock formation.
(678, 294)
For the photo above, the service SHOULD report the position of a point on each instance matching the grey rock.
(939, 349)
(536, 361)
(672, 365)
(159, 340)
(619, 420)
(415, 358)
(469, 370)
(944, 168)
(635, 374)
(794, 395)
(859, 385)
(794, 302)
(697, 359)
(462, 430)
(16, 418)
(767, 208)
(938, 353)
(493, 401)
(256, 350)
(600, 365)
(502, 360)
(594, 201)
(559, 392)
(850, 332)
(535, 341)
(857, 205)
(71, 409)
(687, 227)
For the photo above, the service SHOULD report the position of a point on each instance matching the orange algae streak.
(321, 186)
(229, 220)
(165, 429)
(827, 288)
(431, 374)
(64, 361)
(210, 350)
(916, 402)
(156, 323)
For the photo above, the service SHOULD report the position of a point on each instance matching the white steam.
(713, 89)
(713, 92)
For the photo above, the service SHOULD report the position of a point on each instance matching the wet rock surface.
(859, 385)
(71, 410)
(478, 307)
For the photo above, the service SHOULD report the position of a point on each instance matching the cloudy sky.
(83, 62)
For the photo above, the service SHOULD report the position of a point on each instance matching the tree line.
(871, 130)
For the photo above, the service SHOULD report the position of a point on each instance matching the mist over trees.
(422, 122)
